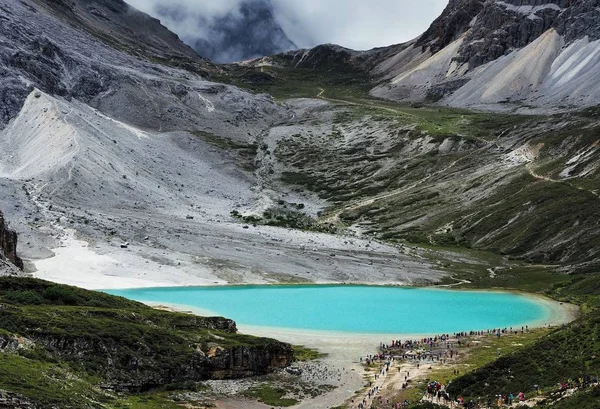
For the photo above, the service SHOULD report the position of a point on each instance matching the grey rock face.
(451, 24)
(48, 45)
(495, 28)
(8, 245)
(580, 19)
(144, 370)
(326, 57)
(118, 24)
(11, 400)
(502, 27)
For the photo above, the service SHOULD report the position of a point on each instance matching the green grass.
(47, 383)
(288, 83)
(586, 399)
(90, 338)
(246, 152)
(561, 355)
(270, 395)
(485, 353)
(302, 353)
(439, 122)
(148, 401)
(580, 289)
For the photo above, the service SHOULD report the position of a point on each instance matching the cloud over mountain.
(224, 31)
(268, 26)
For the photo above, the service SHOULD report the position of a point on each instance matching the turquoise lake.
(356, 309)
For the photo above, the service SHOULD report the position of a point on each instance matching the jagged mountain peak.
(248, 31)
(451, 24)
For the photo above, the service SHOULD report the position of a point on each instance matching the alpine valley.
(468, 157)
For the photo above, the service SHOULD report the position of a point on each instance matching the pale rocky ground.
(90, 183)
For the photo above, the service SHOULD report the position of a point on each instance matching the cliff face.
(8, 244)
(449, 26)
(502, 27)
(118, 24)
(128, 370)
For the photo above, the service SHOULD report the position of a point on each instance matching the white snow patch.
(529, 10)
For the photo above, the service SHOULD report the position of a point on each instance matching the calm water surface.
(359, 309)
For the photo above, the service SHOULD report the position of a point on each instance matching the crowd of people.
(429, 351)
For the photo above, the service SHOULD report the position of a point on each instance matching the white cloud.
(357, 24)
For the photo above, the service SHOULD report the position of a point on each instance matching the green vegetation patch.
(271, 395)
(246, 152)
(288, 215)
(68, 346)
(285, 83)
(302, 353)
(564, 354)
(51, 384)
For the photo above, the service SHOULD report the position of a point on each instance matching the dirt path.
(390, 385)
(532, 172)
(364, 104)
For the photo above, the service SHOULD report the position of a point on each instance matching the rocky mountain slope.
(514, 53)
(495, 55)
(249, 31)
(112, 22)
(122, 164)
(103, 146)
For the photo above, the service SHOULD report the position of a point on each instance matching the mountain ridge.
(528, 55)
(123, 166)
(493, 62)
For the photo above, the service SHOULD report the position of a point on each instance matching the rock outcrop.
(117, 60)
(452, 24)
(146, 369)
(9, 400)
(489, 54)
(8, 244)
(147, 366)
(128, 345)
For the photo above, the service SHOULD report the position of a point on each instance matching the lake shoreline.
(344, 350)
(362, 311)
